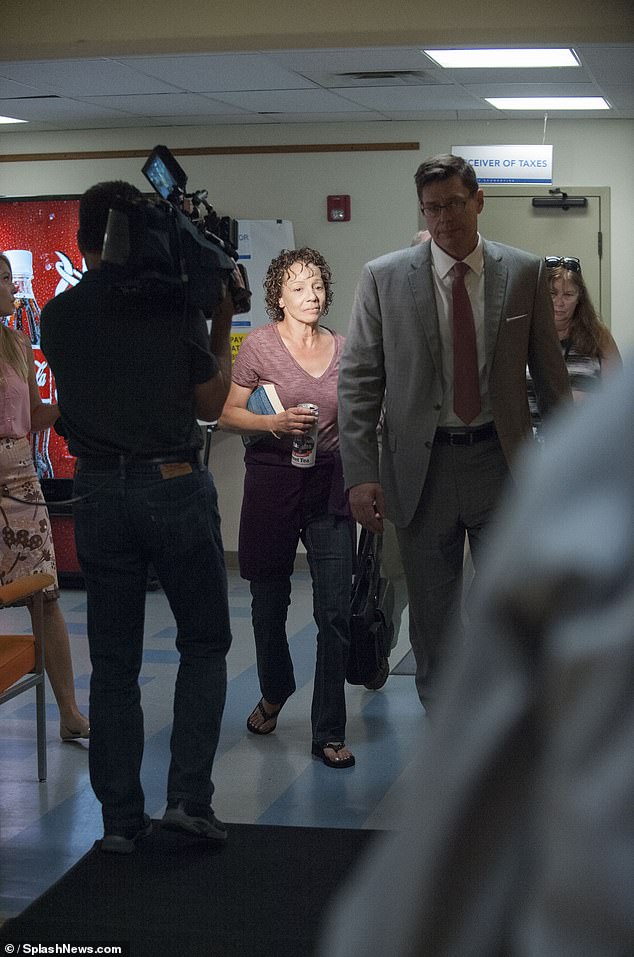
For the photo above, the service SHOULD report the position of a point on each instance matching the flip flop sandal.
(267, 717)
(319, 751)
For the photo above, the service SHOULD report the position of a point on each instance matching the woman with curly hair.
(586, 342)
(26, 546)
(283, 504)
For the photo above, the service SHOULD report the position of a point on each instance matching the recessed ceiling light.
(548, 103)
(11, 119)
(502, 59)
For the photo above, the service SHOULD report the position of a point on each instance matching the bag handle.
(369, 545)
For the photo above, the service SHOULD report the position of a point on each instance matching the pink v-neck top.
(263, 358)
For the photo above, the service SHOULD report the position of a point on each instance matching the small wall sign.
(505, 165)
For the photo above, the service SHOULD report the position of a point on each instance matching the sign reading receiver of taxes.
(505, 165)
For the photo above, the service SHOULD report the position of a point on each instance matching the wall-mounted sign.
(509, 164)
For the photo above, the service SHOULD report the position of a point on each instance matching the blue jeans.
(132, 518)
(329, 546)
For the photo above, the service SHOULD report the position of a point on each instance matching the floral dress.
(26, 545)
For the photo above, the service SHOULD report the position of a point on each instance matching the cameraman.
(132, 376)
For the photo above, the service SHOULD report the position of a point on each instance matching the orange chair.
(22, 656)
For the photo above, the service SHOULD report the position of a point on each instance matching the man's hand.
(222, 315)
(368, 506)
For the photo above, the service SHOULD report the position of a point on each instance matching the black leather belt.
(109, 462)
(465, 436)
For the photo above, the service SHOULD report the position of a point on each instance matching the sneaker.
(123, 841)
(195, 819)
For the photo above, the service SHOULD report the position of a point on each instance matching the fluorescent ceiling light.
(548, 103)
(11, 119)
(502, 59)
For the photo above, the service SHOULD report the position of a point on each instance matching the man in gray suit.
(515, 836)
(455, 404)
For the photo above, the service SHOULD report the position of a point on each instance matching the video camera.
(175, 240)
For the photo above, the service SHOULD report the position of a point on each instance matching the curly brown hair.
(279, 271)
(588, 334)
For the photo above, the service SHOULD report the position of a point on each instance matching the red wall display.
(41, 232)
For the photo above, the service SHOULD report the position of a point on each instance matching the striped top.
(584, 373)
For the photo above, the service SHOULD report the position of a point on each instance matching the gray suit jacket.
(393, 348)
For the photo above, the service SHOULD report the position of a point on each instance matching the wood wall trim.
(211, 151)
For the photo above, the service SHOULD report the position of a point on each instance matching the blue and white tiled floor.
(46, 828)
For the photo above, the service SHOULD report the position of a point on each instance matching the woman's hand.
(237, 418)
(292, 421)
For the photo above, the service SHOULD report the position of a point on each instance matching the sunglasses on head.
(568, 262)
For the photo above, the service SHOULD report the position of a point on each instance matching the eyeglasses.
(568, 262)
(453, 206)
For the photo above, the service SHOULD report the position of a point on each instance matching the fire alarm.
(338, 209)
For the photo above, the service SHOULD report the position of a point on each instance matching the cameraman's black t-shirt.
(125, 369)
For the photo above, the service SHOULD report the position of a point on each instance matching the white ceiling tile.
(430, 98)
(211, 73)
(536, 75)
(294, 86)
(86, 77)
(622, 98)
(289, 101)
(610, 63)
(162, 104)
(309, 62)
(533, 89)
(53, 109)
(10, 89)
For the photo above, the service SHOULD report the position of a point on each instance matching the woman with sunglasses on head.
(26, 546)
(586, 342)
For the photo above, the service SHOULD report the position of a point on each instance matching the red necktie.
(466, 377)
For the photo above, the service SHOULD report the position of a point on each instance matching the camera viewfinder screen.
(159, 176)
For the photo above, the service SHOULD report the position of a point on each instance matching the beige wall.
(294, 186)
